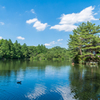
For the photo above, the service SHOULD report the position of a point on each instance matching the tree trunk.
(80, 51)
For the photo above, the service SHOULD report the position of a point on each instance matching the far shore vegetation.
(84, 46)
(9, 50)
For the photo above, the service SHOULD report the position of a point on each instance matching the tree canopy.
(15, 50)
(84, 40)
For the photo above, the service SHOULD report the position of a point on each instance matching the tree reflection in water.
(82, 81)
(85, 82)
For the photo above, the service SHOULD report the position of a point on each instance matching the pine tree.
(84, 40)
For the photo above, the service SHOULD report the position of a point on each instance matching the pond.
(34, 80)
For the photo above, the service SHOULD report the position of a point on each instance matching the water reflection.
(37, 92)
(48, 81)
(65, 92)
(85, 82)
(37, 79)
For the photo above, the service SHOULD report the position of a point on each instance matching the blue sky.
(47, 22)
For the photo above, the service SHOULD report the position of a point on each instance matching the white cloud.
(40, 26)
(68, 21)
(32, 10)
(2, 23)
(3, 7)
(1, 37)
(47, 44)
(21, 38)
(59, 40)
(85, 15)
(64, 27)
(31, 20)
(50, 44)
(53, 42)
(95, 13)
(37, 24)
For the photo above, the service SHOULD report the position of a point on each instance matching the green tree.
(11, 48)
(5, 51)
(84, 39)
(24, 50)
(17, 47)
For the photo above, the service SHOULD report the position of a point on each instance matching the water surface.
(48, 81)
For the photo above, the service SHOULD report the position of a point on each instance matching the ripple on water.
(12, 93)
(37, 92)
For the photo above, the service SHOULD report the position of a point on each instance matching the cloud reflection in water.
(37, 92)
(64, 91)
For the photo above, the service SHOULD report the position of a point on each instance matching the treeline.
(56, 54)
(15, 50)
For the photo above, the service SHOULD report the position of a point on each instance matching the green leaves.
(84, 38)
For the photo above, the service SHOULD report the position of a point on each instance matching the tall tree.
(17, 47)
(11, 48)
(24, 50)
(5, 49)
(84, 39)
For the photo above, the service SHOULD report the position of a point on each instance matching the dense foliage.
(11, 50)
(84, 43)
(56, 54)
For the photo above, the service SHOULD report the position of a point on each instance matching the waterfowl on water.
(19, 82)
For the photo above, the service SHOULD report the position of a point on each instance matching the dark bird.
(19, 82)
